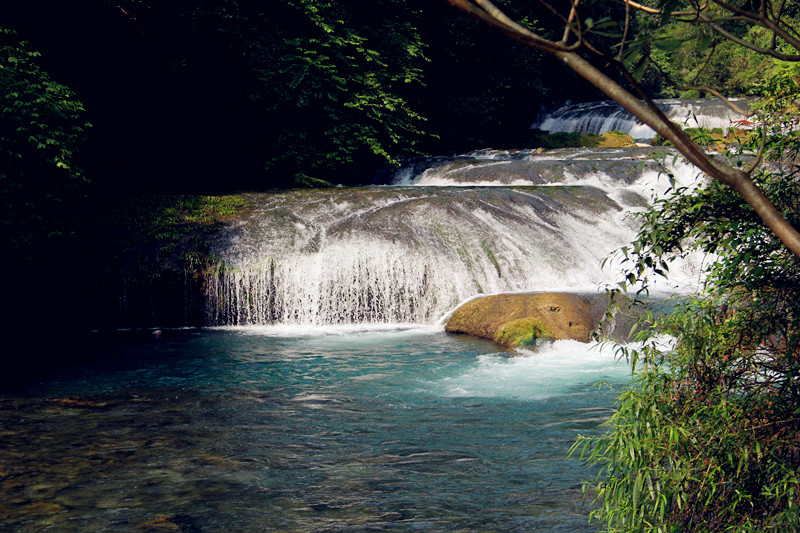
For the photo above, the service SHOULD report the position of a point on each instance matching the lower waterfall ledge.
(521, 320)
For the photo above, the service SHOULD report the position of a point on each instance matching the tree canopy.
(708, 436)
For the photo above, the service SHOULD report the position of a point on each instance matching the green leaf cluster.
(339, 74)
(687, 55)
(41, 129)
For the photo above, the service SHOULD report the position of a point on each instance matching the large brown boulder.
(522, 319)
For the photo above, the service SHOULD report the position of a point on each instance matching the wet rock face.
(521, 319)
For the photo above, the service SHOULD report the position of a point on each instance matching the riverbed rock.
(523, 319)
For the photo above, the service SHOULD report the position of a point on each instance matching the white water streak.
(602, 117)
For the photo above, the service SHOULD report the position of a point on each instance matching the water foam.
(555, 369)
(337, 330)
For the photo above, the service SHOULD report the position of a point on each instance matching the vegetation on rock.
(160, 257)
(616, 139)
(521, 319)
(524, 332)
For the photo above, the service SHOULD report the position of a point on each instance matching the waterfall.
(601, 117)
(411, 251)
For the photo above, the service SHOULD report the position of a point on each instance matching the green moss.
(302, 180)
(490, 255)
(200, 210)
(616, 139)
(522, 332)
(156, 253)
(562, 139)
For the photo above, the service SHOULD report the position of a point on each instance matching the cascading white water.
(408, 254)
(601, 117)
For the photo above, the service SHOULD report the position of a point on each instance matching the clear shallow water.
(269, 429)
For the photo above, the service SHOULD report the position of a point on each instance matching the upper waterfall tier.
(614, 168)
(409, 254)
(601, 117)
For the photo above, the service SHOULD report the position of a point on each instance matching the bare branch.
(777, 16)
(733, 9)
(705, 65)
(511, 29)
(760, 155)
(132, 17)
(553, 10)
(710, 90)
(764, 21)
(493, 11)
(779, 13)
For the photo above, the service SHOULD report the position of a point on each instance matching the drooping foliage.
(708, 436)
(42, 202)
(337, 70)
(42, 126)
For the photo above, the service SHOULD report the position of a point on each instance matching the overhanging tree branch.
(648, 113)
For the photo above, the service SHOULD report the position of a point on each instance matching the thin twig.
(761, 151)
(573, 13)
(625, 32)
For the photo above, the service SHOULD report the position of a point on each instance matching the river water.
(299, 414)
(305, 429)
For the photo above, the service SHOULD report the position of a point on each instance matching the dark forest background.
(217, 96)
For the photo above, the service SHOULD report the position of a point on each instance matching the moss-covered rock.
(616, 139)
(520, 320)
(516, 319)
